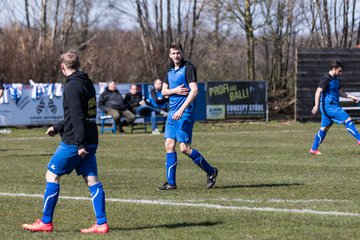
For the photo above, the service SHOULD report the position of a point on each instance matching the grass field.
(269, 186)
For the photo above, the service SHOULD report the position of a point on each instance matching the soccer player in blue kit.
(79, 141)
(180, 84)
(327, 100)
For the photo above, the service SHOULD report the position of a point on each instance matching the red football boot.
(103, 228)
(38, 226)
(315, 152)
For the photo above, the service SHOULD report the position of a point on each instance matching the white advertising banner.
(31, 107)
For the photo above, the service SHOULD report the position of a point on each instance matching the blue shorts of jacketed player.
(179, 130)
(331, 113)
(66, 159)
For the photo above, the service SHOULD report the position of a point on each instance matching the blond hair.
(71, 60)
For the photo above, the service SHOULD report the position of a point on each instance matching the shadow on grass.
(35, 155)
(170, 226)
(264, 185)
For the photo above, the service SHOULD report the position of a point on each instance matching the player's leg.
(326, 123)
(63, 161)
(319, 138)
(184, 137)
(351, 128)
(171, 157)
(88, 169)
(51, 196)
(98, 202)
(171, 161)
(200, 161)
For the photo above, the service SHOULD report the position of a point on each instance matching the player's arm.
(53, 130)
(180, 90)
(347, 95)
(190, 98)
(1, 92)
(317, 100)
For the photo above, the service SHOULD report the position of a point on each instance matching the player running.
(327, 99)
(180, 84)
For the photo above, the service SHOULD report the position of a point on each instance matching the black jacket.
(111, 99)
(132, 100)
(79, 102)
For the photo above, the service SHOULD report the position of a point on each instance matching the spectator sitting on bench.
(111, 102)
(156, 98)
(138, 105)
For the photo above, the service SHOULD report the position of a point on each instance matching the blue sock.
(199, 160)
(98, 201)
(51, 196)
(350, 127)
(319, 138)
(171, 163)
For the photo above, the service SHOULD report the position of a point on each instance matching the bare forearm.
(168, 92)
(190, 98)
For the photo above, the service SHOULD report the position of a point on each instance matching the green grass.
(262, 165)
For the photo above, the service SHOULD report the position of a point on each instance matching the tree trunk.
(327, 23)
(42, 24)
(27, 13)
(249, 31)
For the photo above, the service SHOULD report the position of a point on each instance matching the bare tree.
(27, 13)
(43, 23)
(67, 23)
(345, 30)
(243, 14)
(352, 23)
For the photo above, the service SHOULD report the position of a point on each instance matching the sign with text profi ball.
(236, 100)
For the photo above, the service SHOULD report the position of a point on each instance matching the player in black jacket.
(79, 141)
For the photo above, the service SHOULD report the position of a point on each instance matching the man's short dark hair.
(336, 64)
(176, 45)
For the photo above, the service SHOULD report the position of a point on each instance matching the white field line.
(198, 205)
(272, 200)
(200, 133)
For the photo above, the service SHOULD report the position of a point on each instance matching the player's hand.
(82, 152)
(315, 110)
(177, 115)
(355, 99)
(181, 90)
(142, 102)
(51, 132)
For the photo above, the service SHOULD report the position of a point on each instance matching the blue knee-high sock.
(98, 201)
(350, 127)
(319, 138)
(199, 160)
(171, 163)
(51, 196)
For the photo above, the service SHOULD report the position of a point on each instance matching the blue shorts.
(180, 130)
(332, 113)
(66, 159)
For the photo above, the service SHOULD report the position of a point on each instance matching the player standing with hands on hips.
(79, 141)
(180, 84)
(327, 100)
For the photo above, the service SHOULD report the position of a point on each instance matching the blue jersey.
(185, 74)
(331, 87)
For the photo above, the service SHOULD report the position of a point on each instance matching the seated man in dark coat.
(138, 105)
(112, 103)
